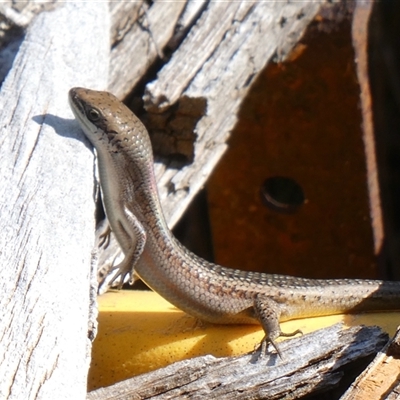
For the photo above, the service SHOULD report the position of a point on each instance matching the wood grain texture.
(140, 46)
(218, 62)
(312, 364)
(381, 379)
(47, 206)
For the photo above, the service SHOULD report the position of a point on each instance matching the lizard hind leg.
(268, 312)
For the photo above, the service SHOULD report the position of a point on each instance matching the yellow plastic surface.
(139, 331)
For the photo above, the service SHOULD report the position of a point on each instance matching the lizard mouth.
(75, 103)
(78, 108)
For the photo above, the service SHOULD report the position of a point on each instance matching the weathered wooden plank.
(14, 19)
(312, 362)
(134, 54)
(21, 13)
(124, 15)
(46, 206)
(217, 62)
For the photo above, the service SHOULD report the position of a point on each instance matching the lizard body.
(205, 290)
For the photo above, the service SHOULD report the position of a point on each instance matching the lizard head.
(109, 124)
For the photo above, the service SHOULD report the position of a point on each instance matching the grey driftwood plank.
(47, 207)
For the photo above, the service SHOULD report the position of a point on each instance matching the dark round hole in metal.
(282, 194)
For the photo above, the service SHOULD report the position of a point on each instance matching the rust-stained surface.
(384, 74)
(302, 120)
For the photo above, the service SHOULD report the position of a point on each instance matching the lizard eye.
(93, 115)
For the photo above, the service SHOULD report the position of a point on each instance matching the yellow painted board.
(139, 331)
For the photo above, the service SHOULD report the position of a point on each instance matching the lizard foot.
(262, 347)
(104, 234)
(123, 269)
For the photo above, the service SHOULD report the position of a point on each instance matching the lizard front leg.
(131, 236)
(103, 232)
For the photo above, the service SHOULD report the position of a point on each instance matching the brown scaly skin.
(205, 290)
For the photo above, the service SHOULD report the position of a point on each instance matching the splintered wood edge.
(311, 362)
(381, 378)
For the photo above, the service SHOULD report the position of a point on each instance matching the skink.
(205, 290)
